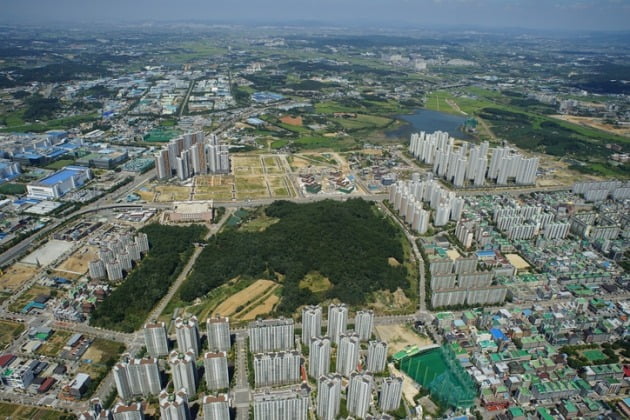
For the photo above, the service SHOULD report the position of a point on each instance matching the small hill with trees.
(350, 243)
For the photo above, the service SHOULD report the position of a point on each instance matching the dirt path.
(454, 105)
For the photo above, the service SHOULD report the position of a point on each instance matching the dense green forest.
(348, 242)
(127, 307)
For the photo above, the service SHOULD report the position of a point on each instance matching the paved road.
(241, 389)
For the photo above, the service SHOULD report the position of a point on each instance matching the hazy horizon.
(573, 15)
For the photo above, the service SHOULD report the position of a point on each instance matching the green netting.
(440, 372)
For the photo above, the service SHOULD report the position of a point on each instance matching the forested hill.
(348, 242)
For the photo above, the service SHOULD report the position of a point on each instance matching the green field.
(594, 355)
(15, 411)
(9, 331)
(161, 135)
(10, 188)
(60, 164)
(58, 124)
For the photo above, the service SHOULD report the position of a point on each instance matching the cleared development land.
(78, 262)
(238, 302)
(16, 275)
(400, 336)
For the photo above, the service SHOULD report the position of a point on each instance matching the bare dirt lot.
(517, 261)
(400, 336)
(243, 298)
(78, 262)
(16, 275)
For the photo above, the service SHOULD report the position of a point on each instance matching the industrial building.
(58, 184)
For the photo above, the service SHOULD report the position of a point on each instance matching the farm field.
(240, 300)
(400, 336)
(9, 331)
(16, 411)
(16, 275)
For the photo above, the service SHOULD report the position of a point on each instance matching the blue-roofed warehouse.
(59, 183)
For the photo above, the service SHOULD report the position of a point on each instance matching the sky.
(534, 14)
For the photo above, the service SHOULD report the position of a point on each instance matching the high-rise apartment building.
(273, 369)
(271, 335)
(391, 393)
(319, 357)
(218, 330)
(363, 324)
(311, 323)
(137, 377)
(359, 394)
(376, 356)
(131, 411)
(337, 321)
(184, 371)
(328, 396)
(187, 331)
(216, 408)
(174, 406)
(155, 339)
(216, 370)
(282, 405)
(348, 353)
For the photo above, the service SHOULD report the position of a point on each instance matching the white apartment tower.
(216, 370)
(174, 406)
(271, 335)
(133, 411)
(216, 408)
(348, 353)
(337, 321)
(282, 405)
(187, 331)
(391, 393)
(184, 371)
(311, 323)
(328, 396)
(218, 330)
(359, 394)
(363, 324)
(377, 356)
(274, 369)
(137, 377)
(319, 357)
(155, 339)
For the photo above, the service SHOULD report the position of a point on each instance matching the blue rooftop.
(62, 175)
(497, 334)
(486, 253)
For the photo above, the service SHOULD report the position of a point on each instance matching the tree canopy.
(348, 242)
(127, 308)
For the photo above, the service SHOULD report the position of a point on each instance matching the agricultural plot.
(241, 300)
(9, 331)
(16, 411)
(16, 275)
